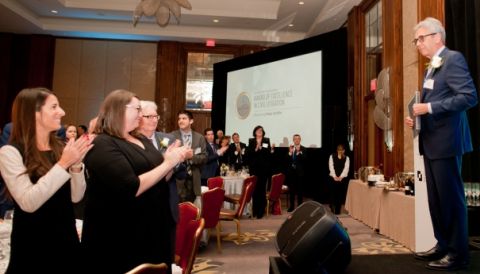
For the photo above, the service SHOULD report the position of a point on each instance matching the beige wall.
(410, 72)
(86, 71)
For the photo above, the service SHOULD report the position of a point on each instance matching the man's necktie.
(186, 140)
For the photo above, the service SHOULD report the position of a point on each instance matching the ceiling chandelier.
(160, 9)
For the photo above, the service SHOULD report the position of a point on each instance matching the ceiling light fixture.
(290, 25)
(160, 9)
(301, 3)
(54, 11)
(216, 20)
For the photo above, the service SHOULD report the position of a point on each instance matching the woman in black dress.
(127, 213)
(259, 159)
(44, 176)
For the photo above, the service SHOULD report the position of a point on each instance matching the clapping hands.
(75, 150)
(176, 153)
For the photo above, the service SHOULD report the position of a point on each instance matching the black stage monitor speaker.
(311, 240)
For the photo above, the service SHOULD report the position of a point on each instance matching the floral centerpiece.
(224, 169)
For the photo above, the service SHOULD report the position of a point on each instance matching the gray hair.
(433, 25)
(148, 104)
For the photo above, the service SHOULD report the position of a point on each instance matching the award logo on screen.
(243, 105)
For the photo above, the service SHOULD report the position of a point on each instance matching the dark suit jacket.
(259, 161)
(210, 169)
(172, 184)
(296, 166)
(445, 132)
(160, 136)
(199, 157)
(238, 158)
(7, 129)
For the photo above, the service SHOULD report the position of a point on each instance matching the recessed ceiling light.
(290, 25)
(54, 11)
(301, 3)
(216, 20)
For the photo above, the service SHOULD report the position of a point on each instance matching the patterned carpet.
(250, 253)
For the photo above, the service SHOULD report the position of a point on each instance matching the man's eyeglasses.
(421, 38)
(151, 117)
(138, 108)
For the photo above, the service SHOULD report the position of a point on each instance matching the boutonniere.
(164, 142)
(436, 62)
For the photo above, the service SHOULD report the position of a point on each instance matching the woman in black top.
(259, 158)
(127, 213)
(44, 176)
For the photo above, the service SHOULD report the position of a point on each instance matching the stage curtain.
(462, 25)
(25, 61)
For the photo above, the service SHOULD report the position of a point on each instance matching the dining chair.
(212, 202)
(148, 268)
(214, 182)
(244, 199)
(193, 233)
(273, 196)
(187, 212)
(235, 197)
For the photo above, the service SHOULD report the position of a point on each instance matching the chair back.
(148, 268)
(214, 182)
(212, 202)
(276, 187)
(193, 233)
(246, 195)
(187, 212)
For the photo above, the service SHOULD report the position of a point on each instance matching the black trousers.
(259, 196)
(338, 192)
(295, 188)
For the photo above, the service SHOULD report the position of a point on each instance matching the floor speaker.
(311, 240)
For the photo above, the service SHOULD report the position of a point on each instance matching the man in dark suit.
(210, 169)
(448, 92)
(189, 189)
(296, 171)
(237, 152)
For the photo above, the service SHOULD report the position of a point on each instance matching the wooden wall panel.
(393, 47)
(67, 64)
(368, 139)
(172, 71)
(93, 69)
(426, 8)
(118, 66)
(144, 70)
(87, 70)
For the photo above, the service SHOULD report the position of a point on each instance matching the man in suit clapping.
(237, 152)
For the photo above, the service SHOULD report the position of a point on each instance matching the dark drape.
(462, 25)
(25, 61)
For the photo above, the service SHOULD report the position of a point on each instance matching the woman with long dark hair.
(44, 176)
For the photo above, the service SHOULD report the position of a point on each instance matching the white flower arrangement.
(224, 169)
(436, 62)
(164, 142)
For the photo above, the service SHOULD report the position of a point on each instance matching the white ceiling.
(263, 22)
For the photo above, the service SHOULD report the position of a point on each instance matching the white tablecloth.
(391, 213)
